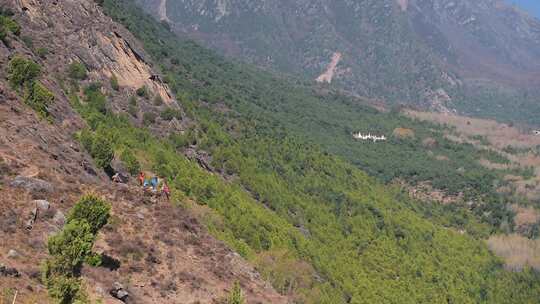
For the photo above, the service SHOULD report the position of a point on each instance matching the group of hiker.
(150, 184)
(153, 184)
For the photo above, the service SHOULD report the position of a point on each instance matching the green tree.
(72, 247)
(236, 295)
(102, 150)
(22, 71)
(93, 210)
(39, 98)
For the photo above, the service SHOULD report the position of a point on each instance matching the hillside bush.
(3, 34)
(114, 83)
(10, 25)
(149, 118)
(42, 52)
(77, 71)
(72, 247)
(95, 98)
(93, 210)
(236, 296)
(170, 113)
(39, 99)
(22, 72)
(86, 137)
(102, 150)
(142, 92)
(132, 164)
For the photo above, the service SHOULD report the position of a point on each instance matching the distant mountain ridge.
(416, 52)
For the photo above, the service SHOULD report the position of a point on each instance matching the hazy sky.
(533, 6)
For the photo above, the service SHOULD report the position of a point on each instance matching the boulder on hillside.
(6, 271)
(118, 292)
(32, 185)
(42, 205)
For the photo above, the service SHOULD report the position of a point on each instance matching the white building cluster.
(368, 136)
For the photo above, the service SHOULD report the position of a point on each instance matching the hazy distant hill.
(419, 52)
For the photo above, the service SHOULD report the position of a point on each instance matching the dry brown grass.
(525, 215)
(403, 133)
(498, 134)
(517, 251)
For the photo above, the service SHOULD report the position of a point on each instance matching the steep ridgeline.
(437, 54)
(57, 59)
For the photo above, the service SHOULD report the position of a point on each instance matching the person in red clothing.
(165, 190)
(141, 178)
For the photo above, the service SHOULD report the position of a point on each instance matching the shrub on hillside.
(149, 118)
(3, 34)
(114, 83)
(22, 71)
(169, 113)
(72, 247)
(236, 296)
(158, 101)
(95, 98)
(102, 151)
(87, 139)
(10, 25)
(77, 70)
(131, 162)
(28, 41)
(93, 210)
(42, 52)
(39, 98)
(142, 92)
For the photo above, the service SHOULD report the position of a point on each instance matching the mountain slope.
(435, 54)
(365, 242)
(158, 252)
(313, 225)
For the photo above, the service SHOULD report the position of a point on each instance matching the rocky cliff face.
(398, 49)
(158, 253)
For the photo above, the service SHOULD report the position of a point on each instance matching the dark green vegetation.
(132, 164)
(316, 226)
(323, 218)
(491, 101)
(326, 119)
(72, 247)
(22, 75)
(235, 296)
(77, 71)
(8, 25)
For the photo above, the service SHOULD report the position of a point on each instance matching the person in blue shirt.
(154, 182)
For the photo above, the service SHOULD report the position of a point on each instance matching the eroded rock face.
(88, 36)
